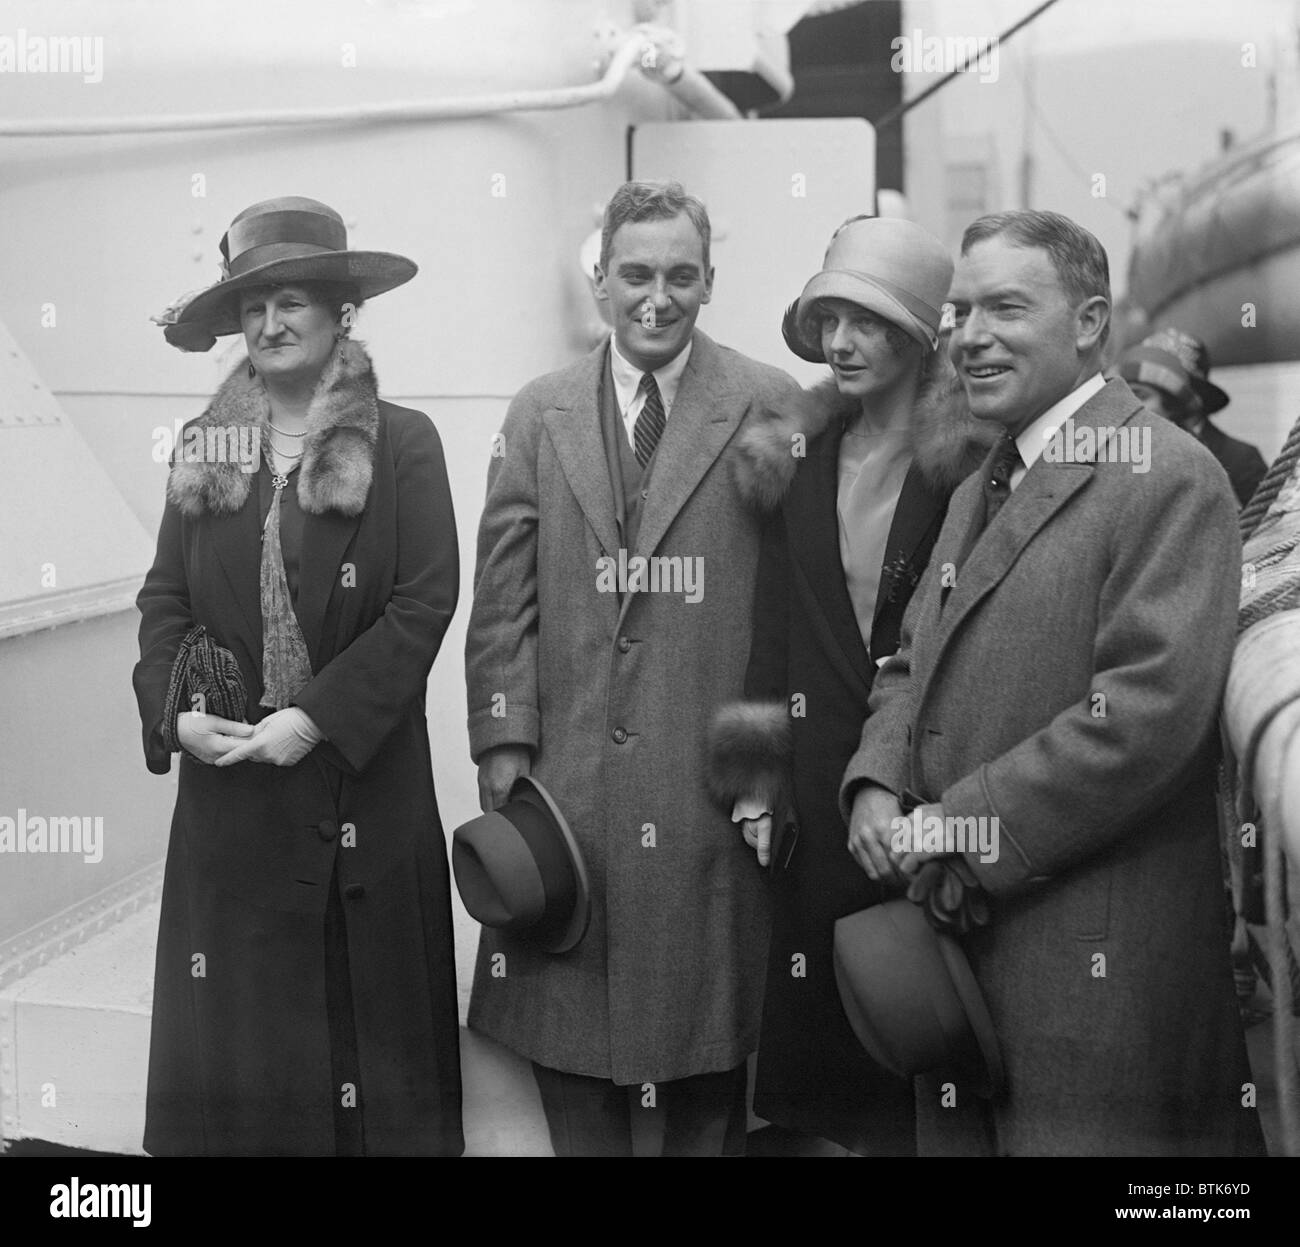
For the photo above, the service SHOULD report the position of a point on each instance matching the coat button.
(354, 891)
(624, 645)
(327, 830)
(619, 736)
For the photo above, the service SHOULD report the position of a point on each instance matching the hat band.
(268, 253)
(927, 315)
(307, 229)
(1153, 372)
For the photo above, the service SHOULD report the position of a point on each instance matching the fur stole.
(948, 443)
(338, 450)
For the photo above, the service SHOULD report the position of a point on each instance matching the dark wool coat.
(239, 1060)
(813, 1075)
(1068, 686)
(1242, 462)
(615, 698)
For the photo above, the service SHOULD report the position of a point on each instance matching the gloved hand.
(208, 737)
(754, 815)
(281, 739)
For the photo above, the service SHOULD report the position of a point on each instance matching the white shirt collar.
(1035, 436)
(627, 376)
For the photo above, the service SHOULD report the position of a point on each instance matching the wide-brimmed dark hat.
(519, 869)
(274, 243)
(911, 997)
(1177, 363)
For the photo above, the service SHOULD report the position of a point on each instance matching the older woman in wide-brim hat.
(855, 483)
(304, 998)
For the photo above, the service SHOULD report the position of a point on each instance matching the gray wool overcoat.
(614, 694)
(1068, 684)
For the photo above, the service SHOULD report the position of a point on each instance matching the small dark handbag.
(205, 678)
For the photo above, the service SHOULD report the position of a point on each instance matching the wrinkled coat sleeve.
(884, 752)
(1167, 623)
(501, 643)
(165, 618)
(361, 694)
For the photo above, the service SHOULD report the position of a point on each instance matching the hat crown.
(1191, 353)
(286, 227)
(892, 250)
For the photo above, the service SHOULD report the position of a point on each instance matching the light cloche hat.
(889, 266)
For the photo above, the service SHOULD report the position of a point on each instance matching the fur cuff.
(750, 748)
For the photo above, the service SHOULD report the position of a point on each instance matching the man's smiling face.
(1018, 343)
(656, 283)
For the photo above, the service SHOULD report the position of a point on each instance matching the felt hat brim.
(852, 288)
(1212, 398)
(925, 1025)
(372, 272)
(526, 786)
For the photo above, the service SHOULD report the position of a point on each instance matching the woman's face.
(857, 345)
(1157, 402)
(289, 332)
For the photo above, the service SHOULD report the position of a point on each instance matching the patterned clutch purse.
(205, 678)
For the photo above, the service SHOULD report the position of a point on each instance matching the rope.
(1271, 485)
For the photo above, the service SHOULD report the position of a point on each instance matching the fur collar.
(948, 443)
(338, 450)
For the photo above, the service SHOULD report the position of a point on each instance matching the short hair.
(1078, 258)
(652, 201)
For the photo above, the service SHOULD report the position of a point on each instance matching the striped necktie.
(650, 423)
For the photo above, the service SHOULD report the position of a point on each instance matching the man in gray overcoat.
(611, 618)
(1058, 685)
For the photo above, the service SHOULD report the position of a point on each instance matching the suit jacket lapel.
(706, 413)
(574, 428)
(918, 506)
(1047, 487)
(325, 539)
(236, 540)
(812, 524)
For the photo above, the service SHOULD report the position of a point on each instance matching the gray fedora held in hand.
(519, 869)
(911, 998)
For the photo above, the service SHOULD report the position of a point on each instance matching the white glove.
(208, 736)
(281, 739)
(755, 817)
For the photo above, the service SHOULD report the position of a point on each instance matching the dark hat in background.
(1177, 363)
(519, 869)
(274, 243)
(911, 997)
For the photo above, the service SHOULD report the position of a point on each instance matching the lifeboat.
(1218, 254)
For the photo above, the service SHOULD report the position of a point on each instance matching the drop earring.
(252, 372)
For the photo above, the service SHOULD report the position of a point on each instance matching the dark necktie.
(997, 489)
(650, 423)
(997, 485)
